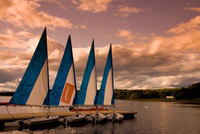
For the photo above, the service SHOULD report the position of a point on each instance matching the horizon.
(155, 44)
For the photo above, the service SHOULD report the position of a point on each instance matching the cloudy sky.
(156, 43)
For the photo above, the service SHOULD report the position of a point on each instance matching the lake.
(152, 118)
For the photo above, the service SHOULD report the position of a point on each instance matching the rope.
(9, 113)
(43, 108)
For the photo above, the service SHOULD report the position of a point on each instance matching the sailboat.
(33, 89)
(106, 93)
(34, 86)
(64, 88)
(88, 91)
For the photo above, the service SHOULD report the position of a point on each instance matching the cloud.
(171, 61)
(197, 9)
(192, 25)
(125, 11)
(94, 6)
(16, 51)
(11, 41)
(160, 62)
(57, 2)
(23, 13)
(125, 33)
(11, 75)
(83, 26)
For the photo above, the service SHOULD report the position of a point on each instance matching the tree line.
(189, 93)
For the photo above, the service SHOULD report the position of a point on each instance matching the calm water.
(152, 118)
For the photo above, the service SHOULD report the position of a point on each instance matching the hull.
(39, 121)
(90, 119)
(114, 117)
(98, 118)
(76, 120)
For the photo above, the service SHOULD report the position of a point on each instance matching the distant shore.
(195, 101)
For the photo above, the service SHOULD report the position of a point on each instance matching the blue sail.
(64, 88)
(34, 85)
(88, 89)
(106, 95)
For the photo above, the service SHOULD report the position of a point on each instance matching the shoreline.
(166, 100)
(195, 101)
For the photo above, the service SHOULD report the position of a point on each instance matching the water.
(152, 118)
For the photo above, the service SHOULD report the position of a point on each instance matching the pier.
(11, 117)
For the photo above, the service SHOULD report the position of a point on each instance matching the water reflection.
(152, 118)
(107, 128)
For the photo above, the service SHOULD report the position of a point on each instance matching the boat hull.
(76, 120)
(99, 118)
(115, 117)
(37, 122)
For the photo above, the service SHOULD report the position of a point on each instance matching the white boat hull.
(39, 121)
(77, 119)
(115, 117)
(98, 118)
(90, 119)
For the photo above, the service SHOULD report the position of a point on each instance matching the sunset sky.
(156, 43)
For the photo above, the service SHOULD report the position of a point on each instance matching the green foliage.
(189, 93)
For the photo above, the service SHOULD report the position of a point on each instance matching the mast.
(112, 101)
(48, 93)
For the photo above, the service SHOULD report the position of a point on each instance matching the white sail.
(34, 86)
(88, 89)
(64, 89)
(106, 93)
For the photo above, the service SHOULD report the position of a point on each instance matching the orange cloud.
(126, 34)
(92, 5)
(171, 61)
(24, 13)
(125, 11)
(57, 2)
(197, 9)
(192, 25)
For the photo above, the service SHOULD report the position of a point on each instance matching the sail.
(105, 96)
(64, 88)
(34, 85)
(88, 89)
